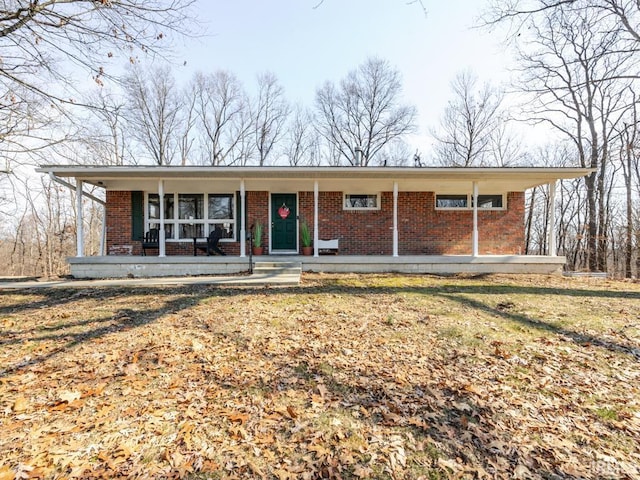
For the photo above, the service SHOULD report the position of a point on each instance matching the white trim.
(162, 239)
(243, 220)
(79, 221)
(538, 174)
(474, 246)
(552, 220)
(316, 234)
(103, 234)
(395, 219)
(347, 208)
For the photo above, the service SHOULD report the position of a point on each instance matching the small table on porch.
(195, 245)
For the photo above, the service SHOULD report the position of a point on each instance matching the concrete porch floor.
(138, 266)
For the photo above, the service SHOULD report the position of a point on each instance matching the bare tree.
(564, 61)
(470, 125)
(28, 125)
(518, 13)
(301, 144)
(105, 134)
(48, 48)
(506, 147)
(364, 113)
(270, 116)
(224, 118)
(188, 120)
(153, 112)
(39, 36)
(43, 233)
(629, 161)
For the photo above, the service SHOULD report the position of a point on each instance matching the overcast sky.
(305, 43)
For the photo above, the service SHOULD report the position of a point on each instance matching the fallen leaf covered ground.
(344, 377)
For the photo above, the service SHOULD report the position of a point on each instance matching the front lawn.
(344, 377)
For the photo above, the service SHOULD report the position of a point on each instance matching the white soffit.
(294, 179)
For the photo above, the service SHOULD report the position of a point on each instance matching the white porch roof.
(294, 179)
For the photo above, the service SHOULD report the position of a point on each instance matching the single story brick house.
(379, 218)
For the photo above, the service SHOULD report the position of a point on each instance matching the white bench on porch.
(329, 246)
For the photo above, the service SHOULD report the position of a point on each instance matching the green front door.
(284, 231)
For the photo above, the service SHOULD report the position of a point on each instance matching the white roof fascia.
(425, 178)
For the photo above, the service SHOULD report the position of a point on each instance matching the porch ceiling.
(294, 179)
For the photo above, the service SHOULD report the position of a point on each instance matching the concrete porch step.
(278, 268)
(276, 273)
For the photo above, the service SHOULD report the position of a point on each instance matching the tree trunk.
(628, 251)
(592, 224)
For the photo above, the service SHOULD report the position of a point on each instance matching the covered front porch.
(386, 219)
(138, 266)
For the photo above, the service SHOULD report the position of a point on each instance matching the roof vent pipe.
(358, 156)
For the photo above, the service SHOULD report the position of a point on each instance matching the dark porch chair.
(151, 240)
(211, 246)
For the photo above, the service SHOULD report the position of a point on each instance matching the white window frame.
(470, 202)
(350, 208)
(206, 221)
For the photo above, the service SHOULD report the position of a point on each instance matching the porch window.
(489, 201)
(153, 213)
(452, 201)
(354, 201)
(221, 212)
(191, 215)
(221, 207)
(465, 201)
(196, 216)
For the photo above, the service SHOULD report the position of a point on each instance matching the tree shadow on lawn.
(584, 339)
(456, 293)
(44, 298)
(121, 320)
(334, 286)
(542, 291)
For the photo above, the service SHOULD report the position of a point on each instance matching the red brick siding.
(118, 215)
(501, 232)
(258, 211)
(361, 232)
(305, 211)
(422, 230)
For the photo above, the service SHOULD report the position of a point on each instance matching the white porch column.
(316, 236)
(475, 220)
(552, 220)
(243, 220)
(103, 235)
(161, 239)
(79, 221)
(395, 219)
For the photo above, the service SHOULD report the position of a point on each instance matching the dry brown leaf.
(522, 473)
(319, 450)
(362, 471)
(6, 473)
(322, 390)
(69, 396)
(20, 405)
(238, 417)
(291, 411)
